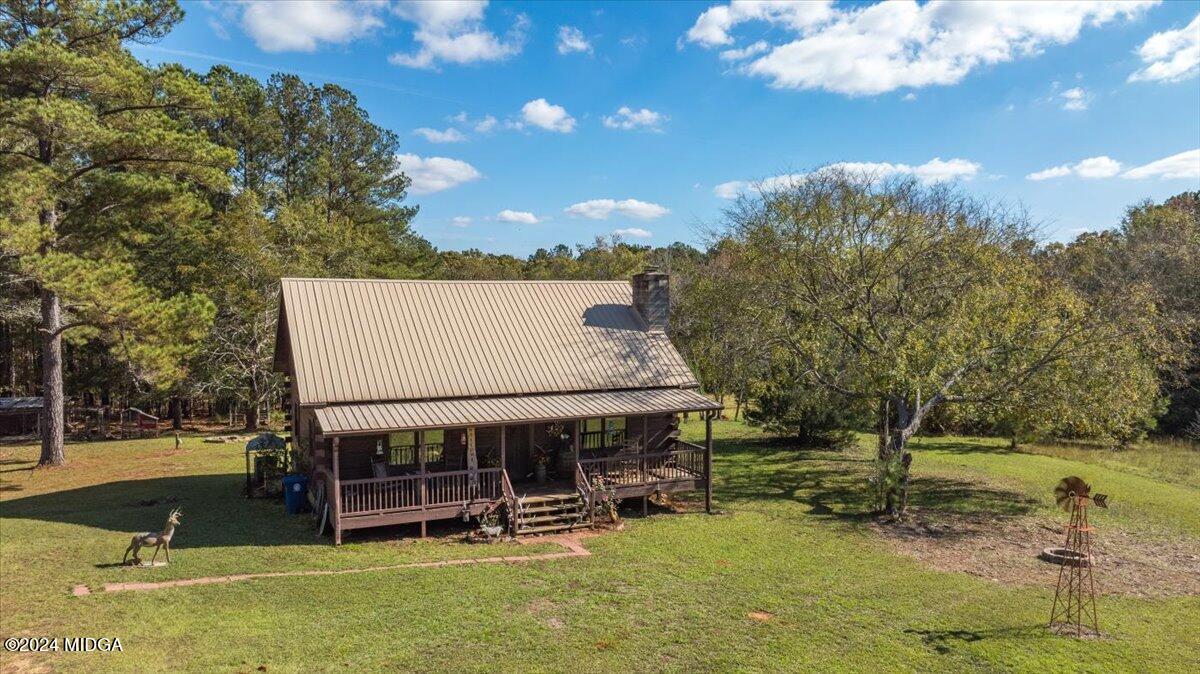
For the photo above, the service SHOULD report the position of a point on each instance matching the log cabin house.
(413, 401)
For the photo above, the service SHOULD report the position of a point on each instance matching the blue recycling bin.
(294, 489)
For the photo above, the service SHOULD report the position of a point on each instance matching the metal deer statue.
(160, 540)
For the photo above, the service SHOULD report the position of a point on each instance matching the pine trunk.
(176, 408)
(52, 381)
(9, 384)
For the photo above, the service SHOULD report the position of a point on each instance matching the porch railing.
(388, 494)
(684, 462)
(584, 486)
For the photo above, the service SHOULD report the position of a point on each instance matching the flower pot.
(539, 472)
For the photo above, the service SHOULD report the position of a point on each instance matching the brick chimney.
(652, 297)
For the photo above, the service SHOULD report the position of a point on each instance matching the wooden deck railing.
(684, 462)
(376, 495)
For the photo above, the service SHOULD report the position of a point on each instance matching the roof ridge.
(447, 281)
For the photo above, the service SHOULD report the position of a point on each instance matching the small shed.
(21, 416)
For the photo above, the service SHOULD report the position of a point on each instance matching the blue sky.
(530, 124)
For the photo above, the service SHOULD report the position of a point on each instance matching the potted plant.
(606, 502)
(541, 459)
(489, 523)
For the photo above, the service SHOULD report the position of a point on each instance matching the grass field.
(789, 575)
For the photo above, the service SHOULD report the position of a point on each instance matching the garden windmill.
(1075, 597)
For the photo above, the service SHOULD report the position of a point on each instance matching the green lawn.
(672, 591)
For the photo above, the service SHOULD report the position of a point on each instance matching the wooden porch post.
(645, 433)
(503, 449)
(708, 462)
(423, 482)
(337, 495)
(472, 462)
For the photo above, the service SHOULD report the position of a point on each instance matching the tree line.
(147, 214)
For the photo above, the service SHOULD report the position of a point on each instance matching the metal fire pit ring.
(1064, 557)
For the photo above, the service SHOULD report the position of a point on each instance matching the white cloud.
(460, 221)
(1092, 167)
(486, 124)
(1170, 56)
(730, 189)
(571, 39)
(454, 32)
(1075, 99)
(882, 47)
(1177, 166)
(636, 232)
(218, 28)
(909, 97)
(435, 136)
(1097, 167)
(434, 174)
(522, 217)
(600, 209)
(933, 171)
(745, 52)
(304, 24)
(712, 27)
(627, 119)
(545, 115)
(1052, 172)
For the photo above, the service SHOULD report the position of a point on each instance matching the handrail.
(440, 473)
(510, 499)
(584, 485)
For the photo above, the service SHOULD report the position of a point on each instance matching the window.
(603, 433)
(402, 448)
(614, 431)
(435, 441)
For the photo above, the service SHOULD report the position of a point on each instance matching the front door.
(517, 459)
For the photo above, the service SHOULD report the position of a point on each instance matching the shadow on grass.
(951, 446)
(944, 642)
(835, 485)
(214, 511)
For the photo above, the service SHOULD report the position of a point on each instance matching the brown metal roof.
(27, 405)
(368, 340)
(383, 417)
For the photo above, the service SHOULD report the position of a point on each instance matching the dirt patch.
(1005, 550)
(760, 616)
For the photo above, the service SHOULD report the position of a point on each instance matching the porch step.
(545, 513)
(550, 508)
(552, 528)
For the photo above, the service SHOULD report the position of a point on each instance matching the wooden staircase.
(551, 513)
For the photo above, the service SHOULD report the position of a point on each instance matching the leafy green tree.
(94, 146)
(905, 298)
(317, 193)
(1156, 250)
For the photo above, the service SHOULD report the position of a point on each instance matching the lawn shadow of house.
(836, 485)
(214, 511)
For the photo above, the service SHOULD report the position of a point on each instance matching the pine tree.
(98, 152)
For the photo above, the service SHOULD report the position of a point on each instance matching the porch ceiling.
(361, 418)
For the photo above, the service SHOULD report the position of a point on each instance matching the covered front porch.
(373, 478)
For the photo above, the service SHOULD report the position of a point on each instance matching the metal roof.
(27, 405)
(371, 340)
(383, 417)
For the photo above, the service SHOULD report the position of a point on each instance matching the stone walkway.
(574, 548)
